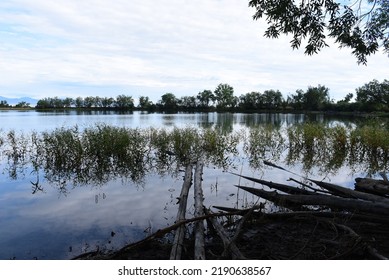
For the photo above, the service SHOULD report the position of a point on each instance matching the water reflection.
(72, 186)
(99, 154)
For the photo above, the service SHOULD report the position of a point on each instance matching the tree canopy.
(363, 25)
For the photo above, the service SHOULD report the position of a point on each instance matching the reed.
(102, 152)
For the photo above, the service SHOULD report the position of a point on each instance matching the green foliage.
(314, 99)
(4, 104)
(205, 97)
(374, 96)
(224, 95)
(145, 103)
(264, 143)
(362, 26)
(168, 102)
(124, 102)
(103, 152)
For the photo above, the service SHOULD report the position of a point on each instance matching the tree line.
(372, 96)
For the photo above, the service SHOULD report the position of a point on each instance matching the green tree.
(145, 103)
(78, 102)
(251, 101)
(4, 104)
(168, 102)
(22, 104)
(124, 102)
(316, 98)
(297, 100)
(188, 102)
(67, 102)
(362, 26)
(272, 99)
(374, 95)
(50, 102)
(344, 104)
(107, 102)
(224, 95)
(205, 97)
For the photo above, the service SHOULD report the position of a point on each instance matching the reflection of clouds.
(56, 222)
(123, 207)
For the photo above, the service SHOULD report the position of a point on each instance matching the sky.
(71, 48)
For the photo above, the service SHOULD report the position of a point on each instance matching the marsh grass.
(264, 143)
(102, 152)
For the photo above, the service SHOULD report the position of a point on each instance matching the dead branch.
(199, 251)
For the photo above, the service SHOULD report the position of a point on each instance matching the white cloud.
(158, 46)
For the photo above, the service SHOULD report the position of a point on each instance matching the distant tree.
(107, 102)
(251, 101)
(344, 104)
(362, 26)
(50, 102)
(22, 104)
(297, 100)
(124, 102)
(43, 104)
(272, 99)
(205, 97)
(348, 98)
(188, 102)
(374, 95)
(316, 98)
(89, 102)
(168, 102)
(67, 102)
(4, 104)
(145, 103)
(98, 102)
(224, 94)
(78, 102)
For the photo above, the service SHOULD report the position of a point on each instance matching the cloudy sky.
(71, 48)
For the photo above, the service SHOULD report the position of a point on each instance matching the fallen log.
(368, 185)
(330, 201)
(283, 203)
(320, 214)
(199, 251)
(349, 193)
(229, 245)
(178, 243)
(281, 187)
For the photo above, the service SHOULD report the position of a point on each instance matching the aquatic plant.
(102, 152)
(263, 143)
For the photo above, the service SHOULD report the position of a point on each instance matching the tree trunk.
(199, 251)
(178, 243)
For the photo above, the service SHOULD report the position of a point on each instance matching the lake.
(43, 218)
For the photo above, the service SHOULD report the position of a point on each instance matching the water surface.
(61, 220)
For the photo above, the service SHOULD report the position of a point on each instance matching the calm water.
(52, 224)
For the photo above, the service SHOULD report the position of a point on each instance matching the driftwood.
(331, 222)
(199, 251)
(345, 192)
(229, 245)
(280, 187)
(377, 187)
(176, 251)
(322, 200)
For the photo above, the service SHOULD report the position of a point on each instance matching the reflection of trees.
(225, 122)
(265, 142)
(363, 149)
(96, 155)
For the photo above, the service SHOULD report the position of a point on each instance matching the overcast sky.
(71, 48)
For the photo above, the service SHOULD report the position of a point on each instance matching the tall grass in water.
(364, 148)
(102, 152)
(369, 145)
(264, 143)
